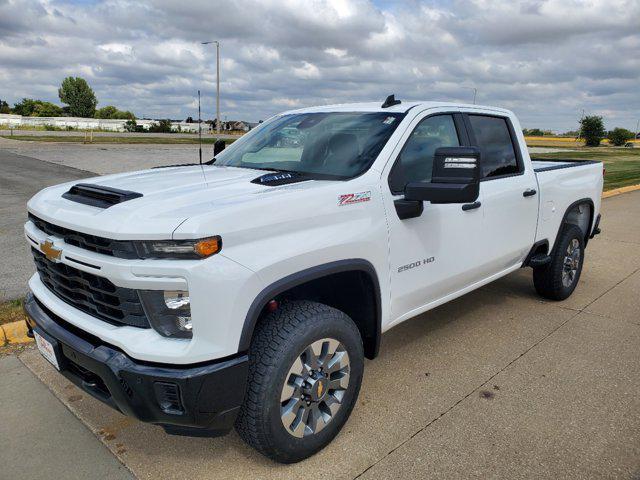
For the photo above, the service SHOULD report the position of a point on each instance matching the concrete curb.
(621, 190)
(14, 333)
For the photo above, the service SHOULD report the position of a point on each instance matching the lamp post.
(475, 92)
(217, 83)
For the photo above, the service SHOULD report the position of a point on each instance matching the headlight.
(179, 249)
(168, 311)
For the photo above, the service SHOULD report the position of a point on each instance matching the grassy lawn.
(119, 140)
(562, 142)
(11, 311)
(622, 164)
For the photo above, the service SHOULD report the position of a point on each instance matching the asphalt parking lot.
(497, 384)
(27, 167)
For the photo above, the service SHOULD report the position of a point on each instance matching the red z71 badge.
(349, 198)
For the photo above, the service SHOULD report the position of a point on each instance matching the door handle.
(471, 206)
(529, 193)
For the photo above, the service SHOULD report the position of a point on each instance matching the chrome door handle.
(471, 206)
(529, 193)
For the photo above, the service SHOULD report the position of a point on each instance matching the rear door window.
(498, 155)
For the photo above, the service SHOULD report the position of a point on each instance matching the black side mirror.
(455, 177)
(218, 146)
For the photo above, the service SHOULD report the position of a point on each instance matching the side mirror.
(455, 177)
(218, 146)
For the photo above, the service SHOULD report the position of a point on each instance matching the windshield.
(324, 145)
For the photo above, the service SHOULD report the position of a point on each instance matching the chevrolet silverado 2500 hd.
(247, 290)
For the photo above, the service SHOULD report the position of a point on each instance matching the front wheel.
(558, 279)
(305, 369)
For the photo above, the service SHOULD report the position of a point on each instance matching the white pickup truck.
(247, 290)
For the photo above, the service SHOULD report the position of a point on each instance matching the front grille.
(90, 293)
(106, 246)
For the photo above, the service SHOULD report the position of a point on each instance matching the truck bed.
(545, 164)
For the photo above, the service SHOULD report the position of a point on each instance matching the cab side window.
(416, 159)
(496, 147)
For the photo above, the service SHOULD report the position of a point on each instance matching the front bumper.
(205, 403)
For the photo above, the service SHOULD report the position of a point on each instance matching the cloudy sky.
(546, 60)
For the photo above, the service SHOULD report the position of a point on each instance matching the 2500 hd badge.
(419, 263)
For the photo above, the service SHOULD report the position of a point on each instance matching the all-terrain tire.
(558, 279)
(280, 341)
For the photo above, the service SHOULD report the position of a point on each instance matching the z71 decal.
(349, 198)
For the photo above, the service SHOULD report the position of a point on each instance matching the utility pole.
(217, 82)
(475, 93)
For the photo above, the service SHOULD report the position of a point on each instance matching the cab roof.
(400, 108)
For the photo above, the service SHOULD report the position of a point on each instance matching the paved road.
(20, 178)
(41, 439)
(497, 384)
(37, 133)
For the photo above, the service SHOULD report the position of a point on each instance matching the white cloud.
(546, 59)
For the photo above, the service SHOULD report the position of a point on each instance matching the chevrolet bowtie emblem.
(51, 252)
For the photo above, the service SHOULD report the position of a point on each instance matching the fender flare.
(589, 202)
(304, 276)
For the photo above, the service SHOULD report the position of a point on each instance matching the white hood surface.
(169, 197)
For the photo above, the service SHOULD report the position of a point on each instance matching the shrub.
(132, 126)
(592, 130)
(111, 112)
(163, 126)
(533, 132)
(619, 136)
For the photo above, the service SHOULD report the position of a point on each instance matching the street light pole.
(475, 92)
(217, 83)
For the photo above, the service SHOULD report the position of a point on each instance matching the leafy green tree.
(77, 93)
(111, 112)
(47, 109)
(619, 136)
(592, 130)
(28, 107)
(4, 107)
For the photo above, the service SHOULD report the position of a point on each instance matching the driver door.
(435, 254)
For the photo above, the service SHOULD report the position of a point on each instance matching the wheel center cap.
(317, 388)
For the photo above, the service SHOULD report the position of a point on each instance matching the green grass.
(622, 164)
(119, 140)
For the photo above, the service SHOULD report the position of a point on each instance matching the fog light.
(175, 299)
(168, 311)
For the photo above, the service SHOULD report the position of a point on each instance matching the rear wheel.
(305, 370)
(558, 279)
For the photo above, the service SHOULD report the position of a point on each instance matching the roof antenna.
(199, 130)
(391, 101)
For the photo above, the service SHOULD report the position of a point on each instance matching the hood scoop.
(280, 178)
(98, 195)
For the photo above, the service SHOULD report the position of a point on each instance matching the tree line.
(592, 131)
(80, 101)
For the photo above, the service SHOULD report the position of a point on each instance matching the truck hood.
(170, 196)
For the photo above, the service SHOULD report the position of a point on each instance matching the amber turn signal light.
(208, 246)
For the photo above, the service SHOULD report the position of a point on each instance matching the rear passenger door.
(508, 192)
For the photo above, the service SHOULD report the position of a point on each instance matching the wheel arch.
(369, 324)
(572, 216)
